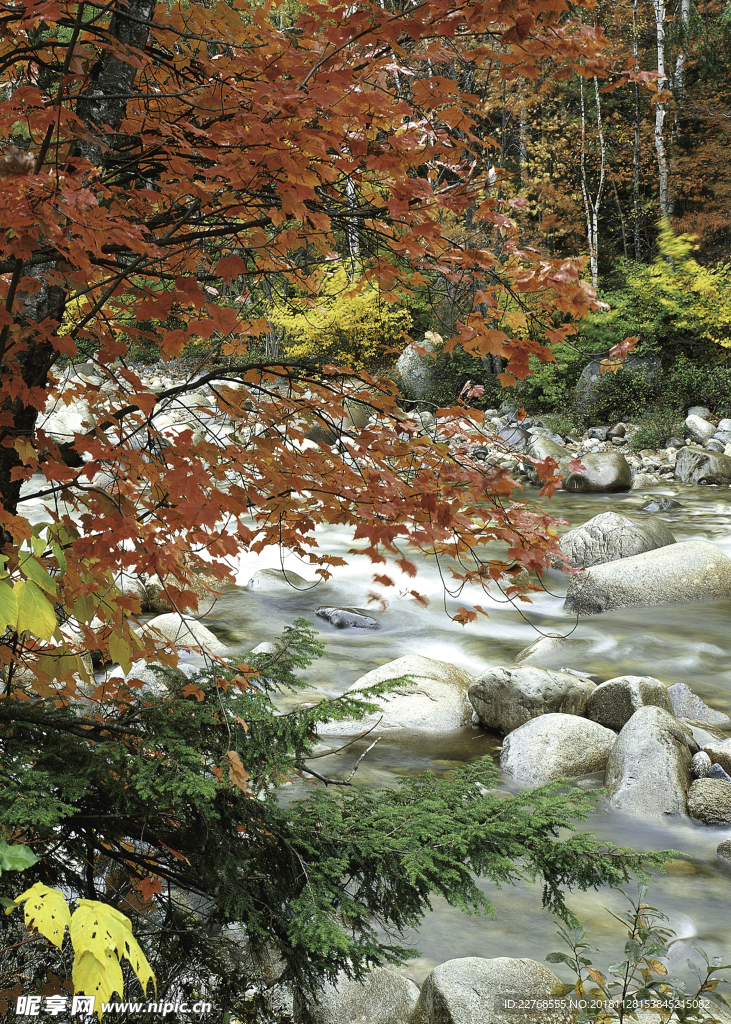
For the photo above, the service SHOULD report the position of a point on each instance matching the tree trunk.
(679, 76)
(104, 102)
(592, 206)
(636, 142)
(660, 110)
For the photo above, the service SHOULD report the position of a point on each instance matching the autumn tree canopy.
(156, 154)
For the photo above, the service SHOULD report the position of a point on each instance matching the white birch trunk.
(636, 142)
(353, 239)
(660, 109)
(592, 206)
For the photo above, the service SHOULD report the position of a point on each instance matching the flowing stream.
(689, 643)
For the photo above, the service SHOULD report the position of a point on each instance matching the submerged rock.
(471, 990)
(554, 651)
(661, 505)
(556, 745)
(506, 698)
(613, 535)
(348, 618)
(677, 573)
(648, 772)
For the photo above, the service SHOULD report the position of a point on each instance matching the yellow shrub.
(347, 323)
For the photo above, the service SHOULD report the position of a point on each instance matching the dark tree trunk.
(104, 103)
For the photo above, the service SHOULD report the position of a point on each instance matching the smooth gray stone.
(602, 473)
(514, 437)
(383, 997)
(699, 428)
(699, 410)
(506, 698)
(554, 746)
(648, 772)
(613, 535)
(675, 574)
(470, 990)
(613, 703)
(717, 772)
(687, 704)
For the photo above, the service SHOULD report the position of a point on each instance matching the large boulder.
(687, 704)
(475, 991)
(700, 466)
(699, 429)
(432, 698)
(506, 698)
(384, 997)
(554, 746)
(709, 801)
(613, 535)
(183, 631)
(278, 581)
(541, 448)
(613, 703)
(601, 473)
(648, 772)
(417, 372)
(691, 571)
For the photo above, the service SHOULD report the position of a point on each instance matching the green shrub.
(551, 387)
(686, 384)
(673, 305)
(452, 371)
(655, 429)
(624, 395)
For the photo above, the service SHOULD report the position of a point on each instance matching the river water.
(689, 643)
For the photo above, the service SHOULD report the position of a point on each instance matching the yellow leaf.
(656, 967)
(33, 569)
(105, 934)
(8, 606)
(35, 611)
(98, 976)
(46, 910)
(120, 651)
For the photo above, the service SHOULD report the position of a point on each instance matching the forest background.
(263, 197)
